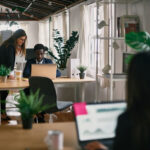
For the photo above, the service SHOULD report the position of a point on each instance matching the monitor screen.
(97, 121)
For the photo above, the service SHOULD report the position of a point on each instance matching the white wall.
(140, 8)
(32, 30)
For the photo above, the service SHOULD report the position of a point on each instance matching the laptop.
(97, 121)
(44, 70)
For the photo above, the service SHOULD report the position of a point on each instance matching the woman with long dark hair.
(9, 50)
(133, 128)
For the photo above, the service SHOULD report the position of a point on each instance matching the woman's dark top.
(123, 133)
(7, 56)
(123, 139)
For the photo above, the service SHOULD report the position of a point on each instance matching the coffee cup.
(18, 74)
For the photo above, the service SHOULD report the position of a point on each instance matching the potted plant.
(4, 72)
(81, 68)
(139, 41)
(29, 106)
(63, 48)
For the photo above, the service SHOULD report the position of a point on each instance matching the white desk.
(114, 78)
(79, 85)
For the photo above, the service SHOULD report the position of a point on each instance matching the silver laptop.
(97, 121)
(44, 70)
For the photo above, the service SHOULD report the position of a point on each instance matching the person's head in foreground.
(138, 106)
(138, 84)
(138, 98)
(39, 50)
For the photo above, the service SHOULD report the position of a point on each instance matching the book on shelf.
(126, 24)
(131, 27)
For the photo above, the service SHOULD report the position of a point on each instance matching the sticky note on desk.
(80, 108)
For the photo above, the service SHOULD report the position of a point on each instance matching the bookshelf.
(117, 30)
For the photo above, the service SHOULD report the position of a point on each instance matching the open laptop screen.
(97, 121)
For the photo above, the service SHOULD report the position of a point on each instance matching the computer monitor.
(97, 121)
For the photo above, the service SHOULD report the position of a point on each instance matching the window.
(98, 42)
(61, 23)
(44, 32)
(58, 23)
(92, 37)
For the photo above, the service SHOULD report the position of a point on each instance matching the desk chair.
(47, 89)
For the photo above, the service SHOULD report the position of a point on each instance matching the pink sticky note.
(80, 108)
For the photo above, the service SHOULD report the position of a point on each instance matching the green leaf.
(138, 40)
(82, 68)
(4, 71)
(30, 105)
(63, 49)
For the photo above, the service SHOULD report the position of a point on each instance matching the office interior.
(92, 49)
(41, 32)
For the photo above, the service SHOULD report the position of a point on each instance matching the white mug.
(55, 140)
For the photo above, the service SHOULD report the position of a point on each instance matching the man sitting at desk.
(39, 50)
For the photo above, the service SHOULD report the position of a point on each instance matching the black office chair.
(47, 89)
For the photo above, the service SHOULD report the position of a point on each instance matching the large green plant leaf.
(138, 40)
(31, 104)
(63, 48)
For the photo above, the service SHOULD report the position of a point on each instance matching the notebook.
(44, 70)
(97, 121)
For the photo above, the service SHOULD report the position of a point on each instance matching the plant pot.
(27, 123)
(3, 79)
(64, 72)
(82, 75)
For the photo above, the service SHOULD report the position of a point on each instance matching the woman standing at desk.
(10, 49)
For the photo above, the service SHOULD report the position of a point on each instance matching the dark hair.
(19, 33)
(39, 47)
(138, 98)
(13, 40)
